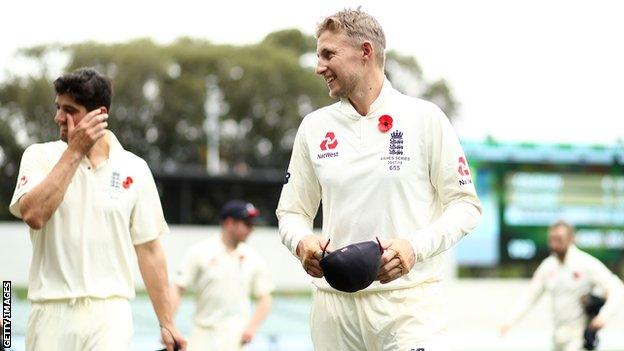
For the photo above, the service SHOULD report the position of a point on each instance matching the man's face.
(241, 229)
(67, 107)
(339, 63)
(559, 239)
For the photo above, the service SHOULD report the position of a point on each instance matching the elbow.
(33, 220)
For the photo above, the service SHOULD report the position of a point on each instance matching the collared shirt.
(86, 247)
(223, 280)
(410, 182)
(566, 283)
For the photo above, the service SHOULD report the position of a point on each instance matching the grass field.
(287, 329)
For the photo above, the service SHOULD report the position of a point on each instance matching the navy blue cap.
(239, 209)
(353, 267)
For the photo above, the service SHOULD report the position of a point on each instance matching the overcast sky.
(531, 70)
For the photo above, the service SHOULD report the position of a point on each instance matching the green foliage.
(159, 102)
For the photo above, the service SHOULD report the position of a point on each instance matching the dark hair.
(87, 86)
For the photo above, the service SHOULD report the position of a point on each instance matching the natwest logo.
(330, 142)
(463, 167)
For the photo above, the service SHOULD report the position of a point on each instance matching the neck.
(367, 92)
(100, 151)
(229, 243)
(562, 255)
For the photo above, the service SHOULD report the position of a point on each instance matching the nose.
(60, 117)
(320, 67)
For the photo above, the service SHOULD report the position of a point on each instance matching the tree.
(159, 103)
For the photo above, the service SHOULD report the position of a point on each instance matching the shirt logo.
(22, 181)
(396, 143)
(115, 182)
(330, 142)
(463, 167)
(463, 171)
(395, 156)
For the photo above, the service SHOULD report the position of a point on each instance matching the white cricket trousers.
(224, 337)
(569, 336)
(82, 324)
(411, 319)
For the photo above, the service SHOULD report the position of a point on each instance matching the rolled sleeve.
(147, 221)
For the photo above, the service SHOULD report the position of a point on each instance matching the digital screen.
(532, 201)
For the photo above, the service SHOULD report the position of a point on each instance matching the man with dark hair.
(224, 271)
(382, 164)
(569, 276)
(88, 202)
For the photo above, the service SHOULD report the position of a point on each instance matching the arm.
(297, 207)
(263, 306)
(536, 289)
(176, 298)
(452, 181)
(37, 205)
(614, 289)
(153, 267)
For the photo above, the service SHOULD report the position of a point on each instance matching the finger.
(316, 273)
(88, 118)
(70, 124)
(394, 263)
(97, 119)
(391, 275)
(388, 255)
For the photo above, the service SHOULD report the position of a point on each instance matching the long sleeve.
(536, 289)
(611, 284)
(451, 178)
(301, 195)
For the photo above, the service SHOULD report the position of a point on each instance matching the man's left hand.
(247, 336)
(597, 323)
(397, 260)
(171, 336)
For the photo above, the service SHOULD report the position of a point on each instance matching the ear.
(103, 109)
(367, 51)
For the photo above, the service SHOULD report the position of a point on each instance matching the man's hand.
(309, 251)
(87, 132)
(171, 336)
(397, 260)
(247, 336)
(504, 329)
(597, 323)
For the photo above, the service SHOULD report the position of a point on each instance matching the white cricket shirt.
(223, 281)
(86, 248)
(566, 283)
(410, 182)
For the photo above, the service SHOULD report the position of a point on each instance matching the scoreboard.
(593, 203)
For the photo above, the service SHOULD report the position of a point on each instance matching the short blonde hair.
(358, 26)
(561, 223)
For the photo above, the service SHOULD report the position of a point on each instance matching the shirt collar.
(349, 110)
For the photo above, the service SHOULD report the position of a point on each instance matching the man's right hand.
(309, 251)
(82, 136)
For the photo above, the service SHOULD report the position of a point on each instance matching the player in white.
(224, 271)
(382, 164)
(89, 203)
(567, 276)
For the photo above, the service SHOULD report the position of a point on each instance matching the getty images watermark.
(6, 314)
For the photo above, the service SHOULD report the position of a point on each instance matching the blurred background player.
(569, 276)
(88, 202)
(382, 164)
(224, 271)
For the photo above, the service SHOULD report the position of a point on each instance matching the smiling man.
(88, 202)
(383, 165)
